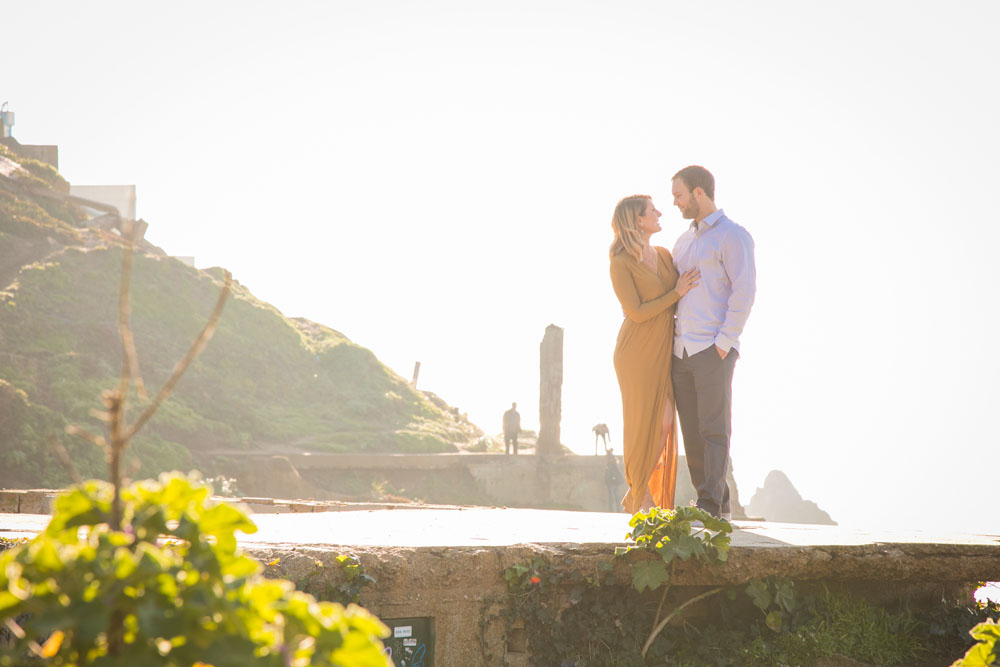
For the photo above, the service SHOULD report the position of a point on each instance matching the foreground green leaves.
(677, 534)
(649, 574)
(775, 597)
(672, 535)
(987, 651)
(169, 589)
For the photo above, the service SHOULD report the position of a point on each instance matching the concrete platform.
(758, 548)
(479, 526)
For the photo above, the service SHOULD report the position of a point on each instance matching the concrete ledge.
(10, 501)
(397, 461)
(39, 501)
(27, 501)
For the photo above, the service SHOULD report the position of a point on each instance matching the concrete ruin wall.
(463, 591)
(564, 482)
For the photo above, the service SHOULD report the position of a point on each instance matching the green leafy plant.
(150, 573)
(668, 535)
(169, 587)
(775, 598)
(565, 614)
(986, 651)
(344, 589)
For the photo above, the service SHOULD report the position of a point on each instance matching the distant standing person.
(710, 319)
(511, 427)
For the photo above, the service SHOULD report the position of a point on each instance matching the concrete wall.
(121, 197)
(462, 589)
(564, 482)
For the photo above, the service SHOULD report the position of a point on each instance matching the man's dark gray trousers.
(703, 391)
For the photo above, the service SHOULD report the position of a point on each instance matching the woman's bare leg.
(668, 420)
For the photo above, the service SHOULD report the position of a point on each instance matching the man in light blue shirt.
(710, 319)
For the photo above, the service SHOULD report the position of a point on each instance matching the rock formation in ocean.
(778, 501)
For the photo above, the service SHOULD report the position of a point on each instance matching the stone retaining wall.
(462, 588)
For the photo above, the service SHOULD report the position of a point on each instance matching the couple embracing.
(679, 343)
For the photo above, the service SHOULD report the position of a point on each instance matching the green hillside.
(264, 383)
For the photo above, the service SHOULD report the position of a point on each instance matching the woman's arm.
(635, 309)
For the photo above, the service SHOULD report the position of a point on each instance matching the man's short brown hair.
(697, 177)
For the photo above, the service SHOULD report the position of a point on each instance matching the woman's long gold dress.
(642, 363)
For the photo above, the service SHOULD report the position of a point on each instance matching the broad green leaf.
(649, 574)
(986, 632)
(979, 655)
(240, 567)
(7, 601)
(78, 507)
(773, 620)
(45, 555)
(683, 550)
(784, 595)
(360, 650)
(759, 594)
(222, 521)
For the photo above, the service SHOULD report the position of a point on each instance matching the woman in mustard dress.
(648, 287)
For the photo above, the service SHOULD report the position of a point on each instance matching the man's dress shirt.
(714, 312)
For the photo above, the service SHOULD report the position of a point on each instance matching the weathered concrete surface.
(562, 482)
(795, 550)
(448, 563)
(29, 501)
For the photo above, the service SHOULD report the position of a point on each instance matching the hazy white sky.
(436, 180)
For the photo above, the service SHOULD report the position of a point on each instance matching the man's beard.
(691, 212)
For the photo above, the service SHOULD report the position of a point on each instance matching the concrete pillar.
(550, 392)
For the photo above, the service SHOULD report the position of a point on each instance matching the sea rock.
(778, 501)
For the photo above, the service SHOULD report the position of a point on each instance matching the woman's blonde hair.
(625, 223)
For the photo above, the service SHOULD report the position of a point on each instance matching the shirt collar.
(709, 220)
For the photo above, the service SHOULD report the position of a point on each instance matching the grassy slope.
(265, 381)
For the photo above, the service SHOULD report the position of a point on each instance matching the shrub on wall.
(168, 588)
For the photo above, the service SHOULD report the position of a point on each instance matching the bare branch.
(100, 415)
(87, 435)
(676, 611)
(182, 365)
(116, 407)
(130, 358)
(14, 628)
(60, 451)
(666, 589)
